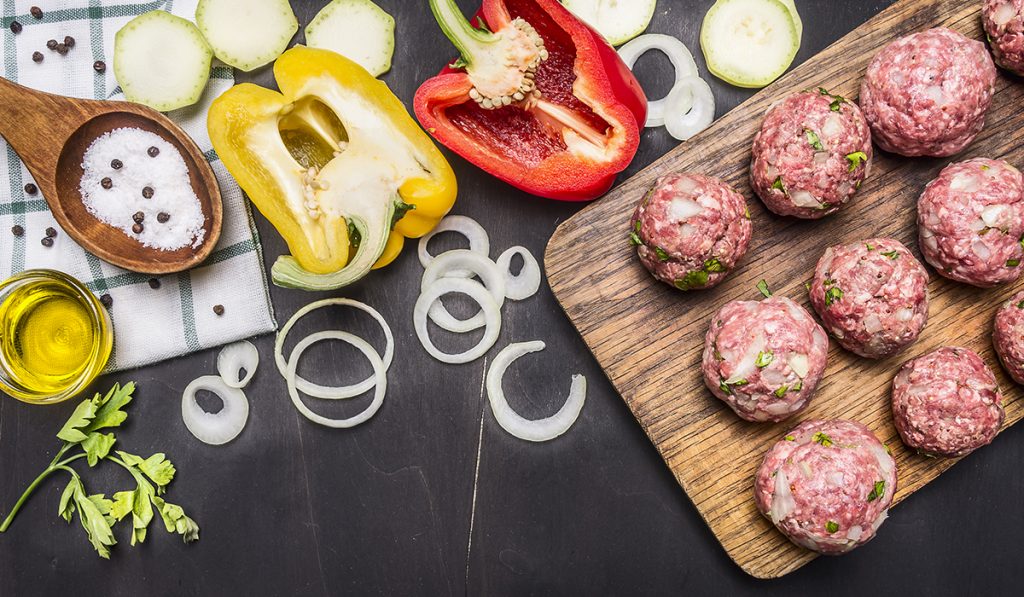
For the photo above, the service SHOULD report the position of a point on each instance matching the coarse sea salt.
(166, 174)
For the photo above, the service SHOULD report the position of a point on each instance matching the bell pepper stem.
(463, 35)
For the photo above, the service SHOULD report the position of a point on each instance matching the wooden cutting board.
(649, 337)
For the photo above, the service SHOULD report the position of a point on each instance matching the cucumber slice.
(749, 43)
(162, 61)
(617, 20)
(358, 30)
(247, 34)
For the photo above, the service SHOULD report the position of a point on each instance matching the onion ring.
(689, 108)
(446, 263)
(217, 428)
(233, 358)
(541, 430)
(678, 54)
(474, 290)
(327, 392)
(527, 282)
(467, 227)
(380, 379)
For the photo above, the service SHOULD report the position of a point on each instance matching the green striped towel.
(150, 324)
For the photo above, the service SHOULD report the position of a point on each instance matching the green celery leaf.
(122, 505)
(110, 411)
(97, 445)
(66, 509)
(158, 469)
(71, 432)
(95, 524)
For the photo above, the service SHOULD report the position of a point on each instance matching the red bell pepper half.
(537, 99)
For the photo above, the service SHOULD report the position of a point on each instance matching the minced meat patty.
(1008, 336)
(1004, 24)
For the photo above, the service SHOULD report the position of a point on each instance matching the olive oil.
(54, 337)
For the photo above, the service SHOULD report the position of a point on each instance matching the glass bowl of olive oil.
(55, 336)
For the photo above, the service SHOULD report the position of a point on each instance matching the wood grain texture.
(648, 337)
(51, 134)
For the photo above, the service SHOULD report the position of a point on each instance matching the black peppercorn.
(36, 12)
(116, 164)
(154, 283)
(106, 183)
(15, 27)
(218, 309)
(138, 228)
(47, 241)
(139, 217)
(17, 230)
(153, 151)
(62, 49)
(147, 192)
(107, 300)
(51, 232)
(162, 217)
(37, 57)
(99, 66)
(52, 44)
(31, 189)
(69, 41)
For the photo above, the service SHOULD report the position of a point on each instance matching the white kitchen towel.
(150, 324)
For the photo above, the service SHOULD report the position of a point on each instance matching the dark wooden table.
(431, 497)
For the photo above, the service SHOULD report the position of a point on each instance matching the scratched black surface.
(431, 497)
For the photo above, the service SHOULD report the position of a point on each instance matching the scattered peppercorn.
(139, 217)
(62, 49)
(106, 183)
(218, 310)
(37, 57)
(31, 189)
(147, 192)
(17, 230)
(162, 217)
(51, 232)
(69, 41)
(153, 151)
(15, 27)
(36, 12)
(116, 164)
(52, 44)
(138, 228)
(47, 241)
(154, 283)
(107, 300)
(99, 66)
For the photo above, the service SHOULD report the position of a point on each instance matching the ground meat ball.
(1004, 24)
(690, 230)
(971, 221)
(927, 93)
(764, 359)
(1008, 336)
(827, 485)
(811, 154)
(872, 296)
(946, 403)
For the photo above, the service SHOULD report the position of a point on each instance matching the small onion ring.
(448, 263)
(222, 426)
(327, 392)
(527, 283)
(233, 358)
(541, 430)
(475, 291)
(678, 54)
(379, 379)
(467, 227)
(689, 108)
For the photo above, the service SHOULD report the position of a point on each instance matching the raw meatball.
(1008, 336)
(764, 359)
(690, 230)
(1004, 24)
(811, 154)
(971, 221)
(872, 296)
(827, 485)
(946, 403)
(927, 93)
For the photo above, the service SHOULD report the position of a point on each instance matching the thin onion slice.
(541, 430)
(678, 54)
(443, 266)
(475, 291)
(327, 392)
(479, 242)
(689, 108)
(380, 380)
(222, 426)
(233, 359)
(527, 282)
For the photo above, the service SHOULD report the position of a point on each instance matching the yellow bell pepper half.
(335, 163)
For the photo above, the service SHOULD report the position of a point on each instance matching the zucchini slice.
(358, 30)
(617, 20)
(247, 34)
(749, 43)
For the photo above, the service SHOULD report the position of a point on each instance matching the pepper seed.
(69, 41)
(47, 241)
(37, 57)
(107, 300)
(153, 151)
(99, 66)
(116, 164)
(218, 310)
(106, 183)
(52, 44)
(147, 192)
(17, 230)
(62, 49)
(36, 12)
(50, 232)
(15, 27)
(154, 283)
(139, 217)
(138, 228)
(163, 217)
(31, 189)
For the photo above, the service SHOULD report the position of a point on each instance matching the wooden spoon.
(51, 133)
